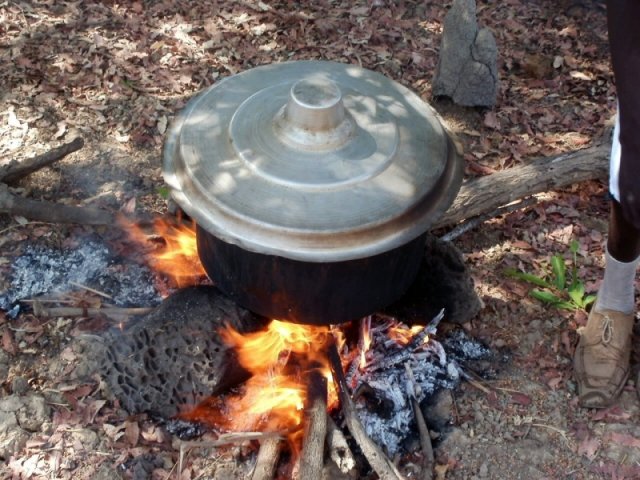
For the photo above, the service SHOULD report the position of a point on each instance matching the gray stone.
(12, 403)
(86, 439)
(31, 412)
(19, 385)
(12, 436)
(34, 413)
(467, 68)
(4, 364)
(438, 410)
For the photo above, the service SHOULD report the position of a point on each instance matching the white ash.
(44, 271)
(434, 367)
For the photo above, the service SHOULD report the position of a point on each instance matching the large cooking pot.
(313, 185)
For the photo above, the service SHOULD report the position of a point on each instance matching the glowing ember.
(176, 255)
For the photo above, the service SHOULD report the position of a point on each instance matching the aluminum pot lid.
(311, 160)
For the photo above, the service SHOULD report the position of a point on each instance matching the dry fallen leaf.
(589, 447)
(113, 432)
(162, 125)
(624, 439)
(8, 342)
(132, 433)
(491, 120)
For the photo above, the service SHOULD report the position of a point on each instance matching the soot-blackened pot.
(313, 184)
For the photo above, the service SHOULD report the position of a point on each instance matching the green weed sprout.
(555, 288)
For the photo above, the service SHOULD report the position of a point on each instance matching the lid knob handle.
(315, 104)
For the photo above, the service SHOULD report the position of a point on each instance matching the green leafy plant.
(164, 192)
(556, 290)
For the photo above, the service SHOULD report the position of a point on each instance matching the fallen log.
(51, 212)
(484, 194)
(15, 170)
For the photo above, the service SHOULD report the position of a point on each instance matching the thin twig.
(113, 312)
(230, 438)
(18, 225)
(92, 290)
(423, 430)
(472, 381)
(473, 222)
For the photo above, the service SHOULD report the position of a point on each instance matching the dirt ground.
(115, 73)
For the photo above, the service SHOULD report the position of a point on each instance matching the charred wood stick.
(406, 352)
(315, 427)
(113, 312)
(338, 448)
(267, 460)
(380, 463)
(14, 170)
(423, 431)
(51, 212)
(484, 194)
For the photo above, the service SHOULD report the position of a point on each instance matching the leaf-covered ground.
(116, 73)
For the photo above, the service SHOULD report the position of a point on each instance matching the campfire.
(304, 379)
(310, 395)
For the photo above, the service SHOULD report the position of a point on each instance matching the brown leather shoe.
(601, 361)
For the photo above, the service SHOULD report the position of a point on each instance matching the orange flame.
(279, 359)
(170, 248)
(365, 335)
(402, 334)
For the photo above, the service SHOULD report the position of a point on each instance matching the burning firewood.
(405, 353)
(315, 426)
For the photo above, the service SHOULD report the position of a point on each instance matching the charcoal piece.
(183, 429)
(443, 281)
(172, 357)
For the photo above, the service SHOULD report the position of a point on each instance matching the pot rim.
(341, 242)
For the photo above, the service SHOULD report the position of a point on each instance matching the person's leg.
(621, 259)
(624, 238)
(601, 362)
